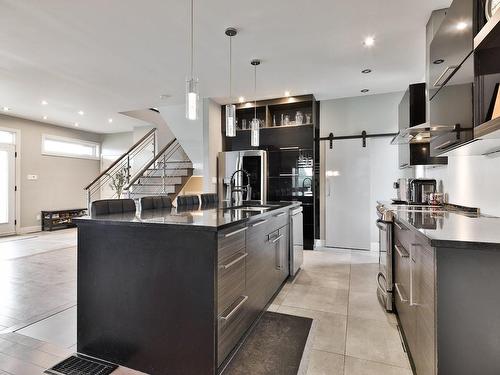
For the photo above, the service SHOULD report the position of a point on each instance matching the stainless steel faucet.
(240, 188)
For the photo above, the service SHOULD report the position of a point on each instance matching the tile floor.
(353, 335)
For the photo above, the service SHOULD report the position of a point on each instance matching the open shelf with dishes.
(60, 219)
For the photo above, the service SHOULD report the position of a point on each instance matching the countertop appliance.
(296, 240)
(420, 190)
(402, 192)
(248, 169)
(385, 280)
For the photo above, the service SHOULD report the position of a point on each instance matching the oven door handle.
(380, 286)
(381, 225)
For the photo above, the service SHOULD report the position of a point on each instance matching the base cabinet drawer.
(230, 241)
(231, 280)
(231, 325)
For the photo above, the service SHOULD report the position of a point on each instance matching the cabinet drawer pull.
(280, 214)
(234, 310)
(403, 299)
(235, 232)
(277, 238)
(400, 227)
(233, 262)
(401, 251)
(259, 223)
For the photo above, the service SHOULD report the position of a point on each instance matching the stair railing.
(142, 152)
(160, 162)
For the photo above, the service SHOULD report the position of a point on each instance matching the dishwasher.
(296, 240)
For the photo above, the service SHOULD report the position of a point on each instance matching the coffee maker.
(414, 190)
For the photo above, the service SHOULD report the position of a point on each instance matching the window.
(7, 137)
(69, 147)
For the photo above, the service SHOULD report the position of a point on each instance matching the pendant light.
(255, 124)
(230, 108)
(192, 96)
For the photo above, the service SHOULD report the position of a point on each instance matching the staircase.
(141, 171)
(166, 174)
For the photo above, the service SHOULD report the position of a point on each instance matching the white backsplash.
(469, 181)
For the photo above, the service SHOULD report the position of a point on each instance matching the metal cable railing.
(119, 173)
(165, 168)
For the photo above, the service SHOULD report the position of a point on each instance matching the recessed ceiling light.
(77, 124)
(241, 99)
(369, 41)
(45, 117)
(461, 26)
(110, 120)
(438, 61)
(366, 71)
(165, 96)
(44, 102)
(364, 91)
(418, 137)
(6, 109)
(287, 93)
(81, 113)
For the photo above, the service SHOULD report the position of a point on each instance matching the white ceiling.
(112, 56)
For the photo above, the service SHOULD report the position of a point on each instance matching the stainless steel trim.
(235, 232)
(259, 223)
(404, 300)
(400, 227)
(440, 81)
(401, 251)
(234, 310)
(280, 214)
(412, 303)
(296, 211)
(444, 144)
(232, 263)
(277, 238)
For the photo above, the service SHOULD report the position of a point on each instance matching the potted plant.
(118, 181)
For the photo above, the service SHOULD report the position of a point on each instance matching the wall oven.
(385, 275)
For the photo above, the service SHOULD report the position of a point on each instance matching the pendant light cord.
(230, 67)
(192, 36)
(255, 90)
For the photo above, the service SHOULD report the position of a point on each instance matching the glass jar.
(299, 118)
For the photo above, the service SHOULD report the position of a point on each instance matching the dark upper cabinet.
(452, 43)
(451, 79)
(412, 112)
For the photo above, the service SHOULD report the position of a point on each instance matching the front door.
(7, 192)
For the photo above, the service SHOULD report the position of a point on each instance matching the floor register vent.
(82, 365)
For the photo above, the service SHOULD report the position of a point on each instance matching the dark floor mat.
(274, 347)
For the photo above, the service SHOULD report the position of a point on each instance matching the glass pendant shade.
(254, 132)
(230, 120)
(192, 98)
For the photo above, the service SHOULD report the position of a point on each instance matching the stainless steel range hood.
(418, 134)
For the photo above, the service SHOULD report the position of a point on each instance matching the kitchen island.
(446, 280)
(173, 292)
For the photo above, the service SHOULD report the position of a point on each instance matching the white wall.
(188, 133)
(212, 144)
(469, 181)
(60, 180)
(349, 116)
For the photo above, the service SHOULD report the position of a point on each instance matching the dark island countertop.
(450, 228)
(211, 218)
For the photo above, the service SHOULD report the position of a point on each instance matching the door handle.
(259, 223)
(280, 214)
(233, 262)
(401, 297)
(234, 310)
(400, 227)
(277, 238)
(448, 71)
(235, 232)
(401, 251)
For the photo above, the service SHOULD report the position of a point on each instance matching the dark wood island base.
(176, 298)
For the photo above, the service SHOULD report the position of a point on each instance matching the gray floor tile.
(323, 363)
(366, 305)
(356, 366)
(375, 340)
(317, 298)
(16, 366)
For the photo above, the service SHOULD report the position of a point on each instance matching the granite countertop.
(209, 218)
(450, 228)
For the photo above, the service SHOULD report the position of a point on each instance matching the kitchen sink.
(252, 208)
